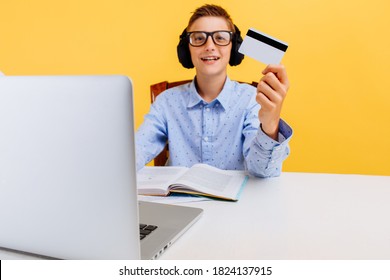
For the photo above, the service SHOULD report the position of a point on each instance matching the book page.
(211, 180)
(156, 179)
(173, 199)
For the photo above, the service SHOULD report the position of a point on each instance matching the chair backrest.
(155, 90)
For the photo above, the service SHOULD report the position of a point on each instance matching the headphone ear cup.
(183, 51)
(235, 56)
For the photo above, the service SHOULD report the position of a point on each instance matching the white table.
(294, 216)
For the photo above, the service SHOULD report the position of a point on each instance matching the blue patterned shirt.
(224, 133)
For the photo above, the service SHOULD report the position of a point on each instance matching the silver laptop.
(68, 176)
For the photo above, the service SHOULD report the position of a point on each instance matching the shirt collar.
(223, 97)
(194, 98)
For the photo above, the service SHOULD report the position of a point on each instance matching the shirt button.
(207, 109)
(206, 139)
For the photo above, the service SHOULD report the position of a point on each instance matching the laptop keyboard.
(145, 230)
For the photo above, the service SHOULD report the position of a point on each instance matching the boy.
(215, 120)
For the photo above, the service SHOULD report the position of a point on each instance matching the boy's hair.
(211, 10)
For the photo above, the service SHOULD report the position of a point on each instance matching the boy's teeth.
(210, 58)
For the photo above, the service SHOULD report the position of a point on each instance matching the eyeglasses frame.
(210, 34)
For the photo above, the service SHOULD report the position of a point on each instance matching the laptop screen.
(67, 168)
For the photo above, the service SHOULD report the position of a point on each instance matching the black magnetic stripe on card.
(267, 40)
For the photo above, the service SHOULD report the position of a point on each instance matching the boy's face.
(210, 59)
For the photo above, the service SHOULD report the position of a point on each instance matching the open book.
(200, 179)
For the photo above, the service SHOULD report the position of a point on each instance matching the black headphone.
(184, 55)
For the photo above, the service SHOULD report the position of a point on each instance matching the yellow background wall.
(338, 62)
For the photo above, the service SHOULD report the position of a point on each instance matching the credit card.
(263, 47)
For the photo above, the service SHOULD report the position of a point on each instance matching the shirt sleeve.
(263, 155)
(151, 136)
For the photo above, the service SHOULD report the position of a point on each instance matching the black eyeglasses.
(199, 38)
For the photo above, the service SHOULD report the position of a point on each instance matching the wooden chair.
(155, 90)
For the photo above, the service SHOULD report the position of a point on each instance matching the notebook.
(68, 175)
